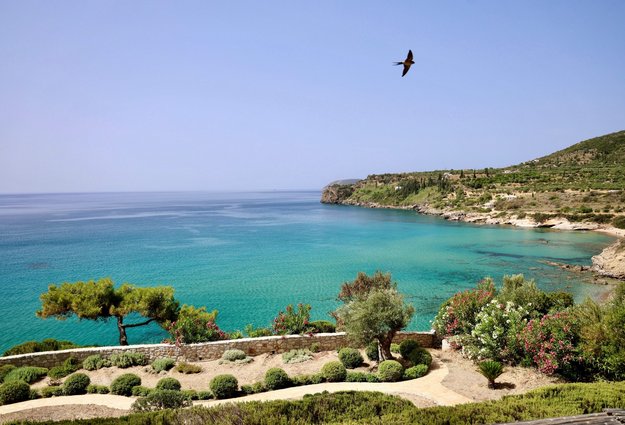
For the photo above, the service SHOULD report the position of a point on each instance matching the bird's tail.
(398, 63)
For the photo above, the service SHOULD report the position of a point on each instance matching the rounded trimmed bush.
(4, 371)
(372, 352)
(416, 371)
(233, 355)
(164, 363)
(407, 346)
(350, 357)
(390, 371)
(224, 386)
(123, 384)
(97, 389)
(276, 378)
(14, 392)
(334, 372)
(171, 384)
(420, 356)
(76, 384)
(51, 391)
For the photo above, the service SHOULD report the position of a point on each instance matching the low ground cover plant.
(28, 374)
(70, 365)
(129, 359)
(163, 364)
(235, 356)
(95, 362)
(97, 389)
(51, 391)
(188, 368)
(297, 356)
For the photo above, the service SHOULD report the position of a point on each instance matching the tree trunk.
(123, 339)
(385, 346)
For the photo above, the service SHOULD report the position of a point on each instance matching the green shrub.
(4, 370)
(123, 384)
(188, 368)
(14, 392)
(51, 391)
(416, 371)
(224, 386)
(161, 399)
(97, 389)
(95, 362)
(315, 378)
(394, 348)
(619, 222)
(315, 347)
(232, 355)
(204, 395)
(255, 388)
(372, 351)
(297, 356)
(350, 357)
(491, 370)
(420, 356)
(141, 391)
(407, 346)
(323, 326)
(37, 347)
(162, 364)
(334, 372)
(361, 377)
(28, 374)
(76, 384)
(126, 360)
(276, 378)
(190, 394)
(390, 371)
(170, 384)
(253, 332)
(70, 365)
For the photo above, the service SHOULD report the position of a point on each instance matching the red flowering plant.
(293, 322)
(194, 325)
(458, 315)
(551, 343)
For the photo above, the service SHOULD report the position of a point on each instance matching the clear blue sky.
(262, 95)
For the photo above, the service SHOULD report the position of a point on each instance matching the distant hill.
(582, 183)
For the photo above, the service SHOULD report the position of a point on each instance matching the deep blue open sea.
(248, 255)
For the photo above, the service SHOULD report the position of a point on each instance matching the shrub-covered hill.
(584, 182)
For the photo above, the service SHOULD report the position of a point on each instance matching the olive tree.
(100, 300)
(376, 317)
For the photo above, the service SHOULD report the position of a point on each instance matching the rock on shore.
(611, 261)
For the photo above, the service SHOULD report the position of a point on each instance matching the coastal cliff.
(578, 188)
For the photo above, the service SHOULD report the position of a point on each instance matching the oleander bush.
(163, 364)
(276, 378)
(350, 357)
(297, 356)
(14, 392)
(161, 399)
(390, 371)
(126, 360)
(123, 384)
(170, 384)
(51, 391)
(95, 362)
(334, 371)
(76, 384)
(415, 372)
(224, 386)
(97, 389)
(188, 368)
(28, 374)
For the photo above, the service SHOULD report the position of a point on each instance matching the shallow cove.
(250, 254)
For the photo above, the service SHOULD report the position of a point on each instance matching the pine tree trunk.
(123, 339)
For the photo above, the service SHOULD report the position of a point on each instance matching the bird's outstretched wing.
(409, 58)
(406, 68)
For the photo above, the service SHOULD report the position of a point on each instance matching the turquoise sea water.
(250, 254)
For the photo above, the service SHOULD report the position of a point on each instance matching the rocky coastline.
(610, 263)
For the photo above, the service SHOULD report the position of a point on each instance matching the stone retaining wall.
(208, 350)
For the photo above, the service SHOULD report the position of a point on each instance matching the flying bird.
(406, 63)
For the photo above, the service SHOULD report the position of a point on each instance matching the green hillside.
(584, 182)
